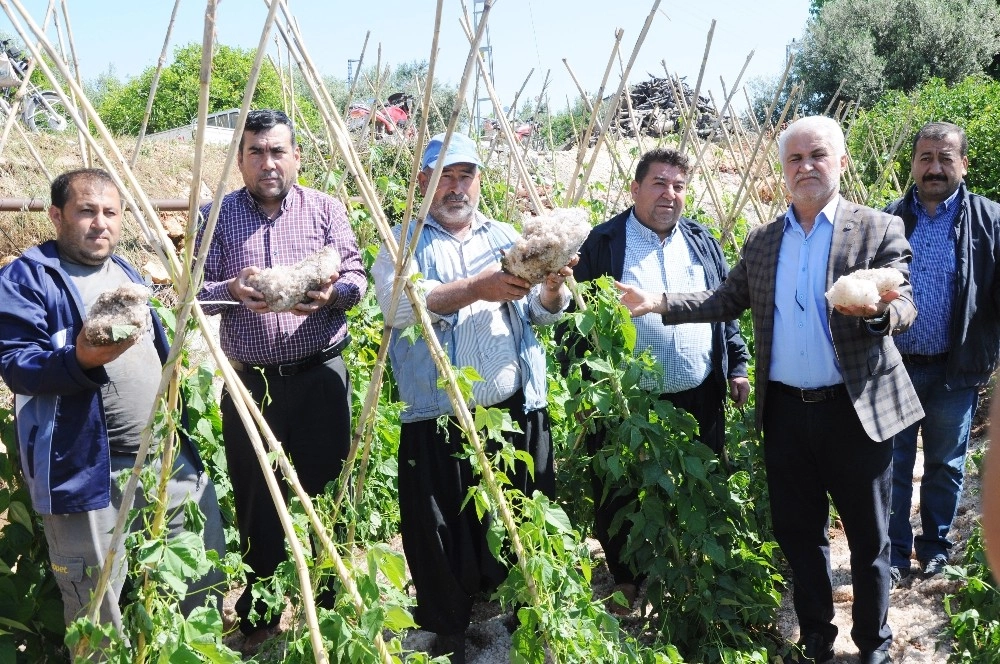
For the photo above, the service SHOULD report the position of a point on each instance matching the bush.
(973, 104)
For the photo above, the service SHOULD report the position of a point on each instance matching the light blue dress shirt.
(803, 354)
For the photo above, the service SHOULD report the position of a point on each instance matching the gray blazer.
(872, 368)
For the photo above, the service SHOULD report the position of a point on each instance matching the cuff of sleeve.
(879, 324)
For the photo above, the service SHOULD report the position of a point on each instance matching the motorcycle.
(390, 119)
(41, 110)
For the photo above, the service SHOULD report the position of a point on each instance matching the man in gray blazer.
(832, 390)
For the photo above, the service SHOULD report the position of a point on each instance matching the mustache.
(456, 198)
(933, 177)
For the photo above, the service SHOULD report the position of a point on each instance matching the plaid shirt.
(244, 236)
(935, 278)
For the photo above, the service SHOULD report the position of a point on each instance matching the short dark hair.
(264, 119)
(939, 131)
(61, 185)
(668, 156)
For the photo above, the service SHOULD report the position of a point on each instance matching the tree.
(176, 101)
(878, 45)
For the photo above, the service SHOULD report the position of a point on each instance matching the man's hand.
(551, 294)
(739, 390)
(320, 298)
(90, 356)
(869, 310)
(495, 285)
(251, 298)
(639, 302)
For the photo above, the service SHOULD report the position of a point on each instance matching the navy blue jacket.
(603, 253)
(61, 431)
(975, 330)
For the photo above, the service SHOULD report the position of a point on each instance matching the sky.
(127, 37)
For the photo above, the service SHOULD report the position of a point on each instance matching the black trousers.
(310, 415)
(812, 450)
(706, 403)
(445, 545)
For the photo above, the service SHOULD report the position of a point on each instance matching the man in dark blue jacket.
(81, 406)
(652, 246)
(952, 348)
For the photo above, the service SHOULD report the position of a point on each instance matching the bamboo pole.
(84, 152)
(689, 126)
(154, 84)
(622, 86)
(581, 151)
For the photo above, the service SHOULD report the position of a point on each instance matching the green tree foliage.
(176, 101)
(878, 45)
(973, 104)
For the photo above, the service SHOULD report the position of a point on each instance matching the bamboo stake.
(689, 126)
(614, 106)
(154, 84)
(84, 152)
(581, 151)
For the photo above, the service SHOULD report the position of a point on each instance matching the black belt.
(814, 395)
(925, 359)
(293, 368)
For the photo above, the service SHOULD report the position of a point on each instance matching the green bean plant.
(694, 529)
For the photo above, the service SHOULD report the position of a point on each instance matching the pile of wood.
(655, 110)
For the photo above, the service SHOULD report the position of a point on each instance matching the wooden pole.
(154, 84)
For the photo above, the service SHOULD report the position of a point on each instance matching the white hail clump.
(118, 315)
(547, 244)
(864, 286)
(284, 286)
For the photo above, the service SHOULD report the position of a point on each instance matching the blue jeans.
(945, 435)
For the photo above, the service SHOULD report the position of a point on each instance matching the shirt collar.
(944, 206)
(634, 226)
(479, 220)
(826, 215)
(285, 202)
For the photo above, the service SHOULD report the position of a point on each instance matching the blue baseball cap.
(461, 150)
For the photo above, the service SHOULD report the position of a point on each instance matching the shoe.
(253, 641)
(875, 657)
(896, 576)
(629, 591)
(810, 649)
(452, 645)
(935, 565)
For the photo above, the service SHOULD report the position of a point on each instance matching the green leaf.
(120, 332)
(397, 619)
(18, 513)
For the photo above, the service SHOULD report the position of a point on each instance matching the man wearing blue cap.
(484, 319)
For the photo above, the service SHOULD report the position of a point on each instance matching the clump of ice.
(117, 315)
(864, 286)
(284, 286)
(547, 244)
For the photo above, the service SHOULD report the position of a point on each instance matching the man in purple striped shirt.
(290, 358)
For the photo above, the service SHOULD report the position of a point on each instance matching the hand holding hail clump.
(300, 289)
(865, 293)
(115, 322)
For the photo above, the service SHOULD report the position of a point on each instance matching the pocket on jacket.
(883, 358)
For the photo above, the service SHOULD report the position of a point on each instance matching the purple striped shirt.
(244, 236)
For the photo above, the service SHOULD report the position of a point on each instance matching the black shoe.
(935, 565)
(896, 576)
(452, 645)
(875, 657)
(811, 648)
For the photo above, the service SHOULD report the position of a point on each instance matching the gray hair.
(817, 124)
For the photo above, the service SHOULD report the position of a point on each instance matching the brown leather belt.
(293, 368)
(815, 395)
(925, 359)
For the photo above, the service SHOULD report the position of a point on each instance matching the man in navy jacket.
(80, 406)
(951, 349)
(652, 246)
